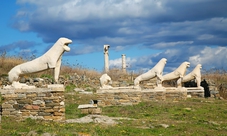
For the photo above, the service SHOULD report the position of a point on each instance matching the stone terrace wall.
(130, 96)
(195, 92)
(38, 103)
(173, 93)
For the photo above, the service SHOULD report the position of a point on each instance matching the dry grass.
(67, 70)
(116, 74)
(218, 77)
(8, 62)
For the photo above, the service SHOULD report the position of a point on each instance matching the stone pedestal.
(195, 91)
(118, 89)
(118, 98)
(89, 109)
(173, 93)
(131, 95)
(128, 96)
(36, 103)
(153, 94)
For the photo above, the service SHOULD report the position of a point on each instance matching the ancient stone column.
(123, 63)
(106, 57)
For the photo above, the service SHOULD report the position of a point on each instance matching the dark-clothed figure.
(205, 85)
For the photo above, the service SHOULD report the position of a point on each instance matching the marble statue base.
(195, 91)
(118, 89)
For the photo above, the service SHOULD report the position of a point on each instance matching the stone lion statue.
(156, 71)
(195, 74)
(105, 80)
(178, 73)
(50, 60)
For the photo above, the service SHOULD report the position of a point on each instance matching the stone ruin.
(23, 101)
(106, 57)
(109, 95)
(36, 103)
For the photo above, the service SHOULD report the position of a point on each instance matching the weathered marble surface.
(156, 71)
(178, 73)
(194, 74)
(106, 57)
(105, 81)
(50, 60)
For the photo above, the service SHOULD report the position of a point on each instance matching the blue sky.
(144, 30)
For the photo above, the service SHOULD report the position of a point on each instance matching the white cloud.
(205, 36)
(119, 48)
(171, 44)
(78, 10)
(127, 30)
(195, 59)
(114, 40)
(82, 49)
(117, 63)
(211, 58)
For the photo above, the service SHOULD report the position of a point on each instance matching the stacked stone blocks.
(129, 96)
(37, 103)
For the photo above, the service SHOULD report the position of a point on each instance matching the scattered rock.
(188, 109)
(213, 123)
(85, 92)
(97, 119)
(47, 134)
(164, 125)
(78, 90)
(189, 96)
(32, 133)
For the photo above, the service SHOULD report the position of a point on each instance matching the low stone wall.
(176, 94)
(90, 109)
(36, 103)
(152, 95)
(195, 92)
(118, 96)
(129, 95)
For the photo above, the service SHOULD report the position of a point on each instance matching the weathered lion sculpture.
(50, 60)
(156, 71)
(178, 73)
(105, 80)
(195, 74)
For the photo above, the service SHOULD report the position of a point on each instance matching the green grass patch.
(190, 117)
(70, 88)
